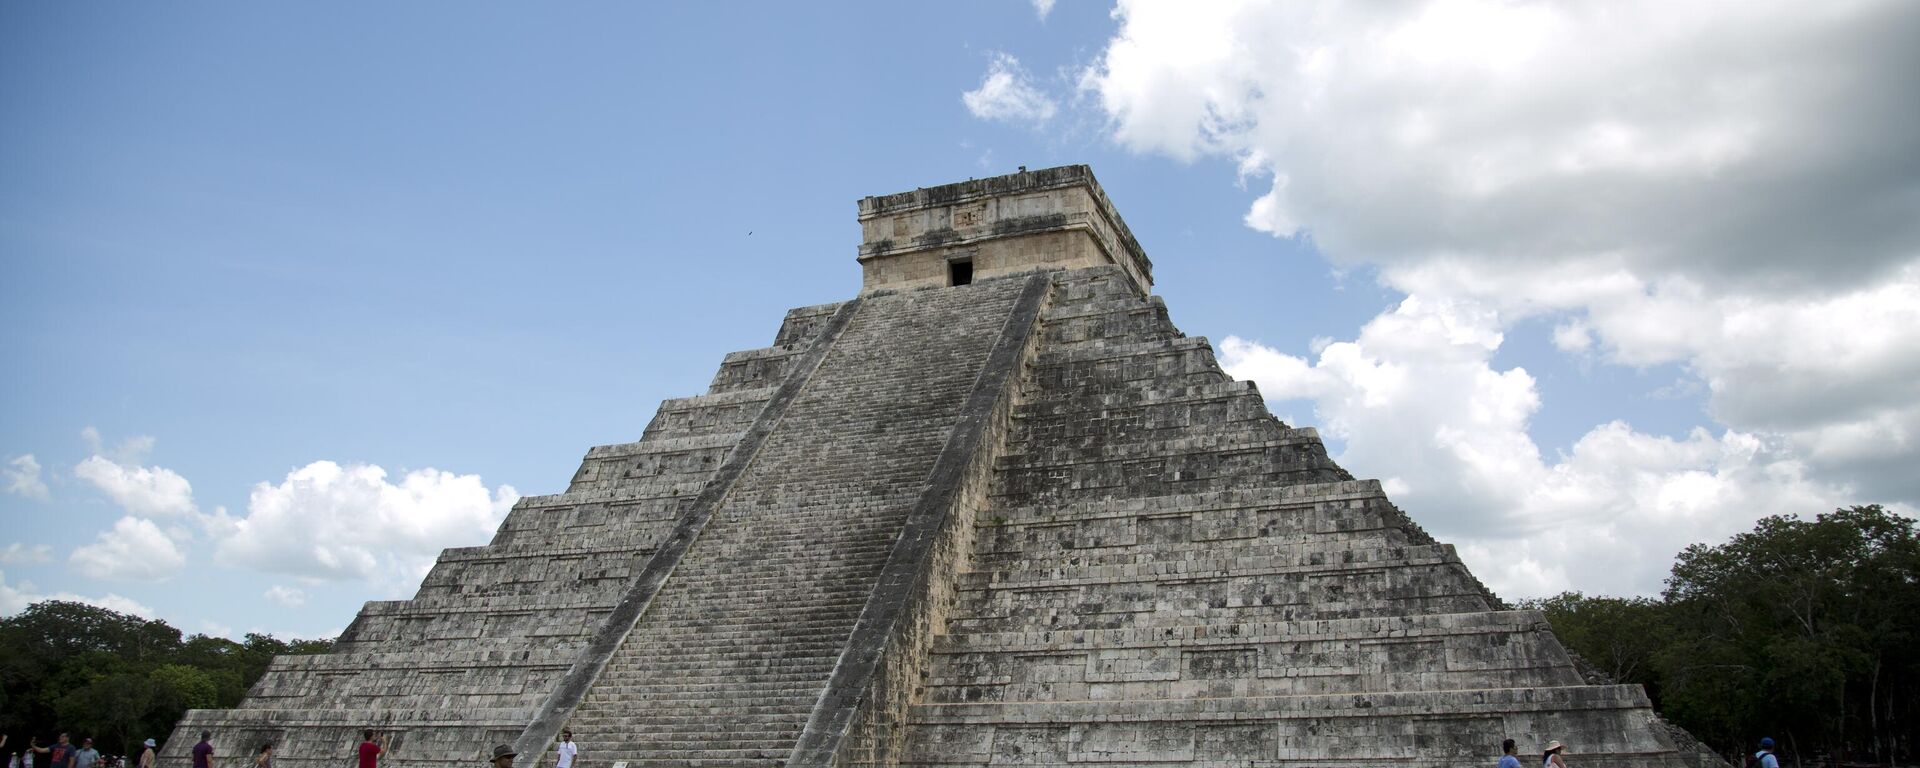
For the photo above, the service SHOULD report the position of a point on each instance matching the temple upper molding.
(1049, 218)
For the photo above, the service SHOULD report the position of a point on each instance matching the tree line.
(118, 678)
(1807, 631)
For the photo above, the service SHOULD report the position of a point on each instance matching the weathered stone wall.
(1167, 575)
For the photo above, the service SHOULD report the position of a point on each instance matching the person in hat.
(1551, 757)
(1765, 758)
(86, 755)
(146, 754)
(503, 756)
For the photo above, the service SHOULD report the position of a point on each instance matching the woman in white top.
(1551, 758)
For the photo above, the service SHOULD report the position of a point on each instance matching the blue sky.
(467, 242)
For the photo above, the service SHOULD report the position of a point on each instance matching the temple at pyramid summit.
(993, 510)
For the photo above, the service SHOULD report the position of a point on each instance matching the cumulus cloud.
(135, 549)
(331, 522)
(22, 474)
(21, 554)
(1007, 94)
(138, 489)
(1765, 144)
(16, 599)
(1418, 403)
(286, 596)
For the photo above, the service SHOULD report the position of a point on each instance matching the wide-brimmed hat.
(149, 742)
(504, 750)
(1553, 745)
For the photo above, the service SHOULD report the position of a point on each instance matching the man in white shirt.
(568, 752)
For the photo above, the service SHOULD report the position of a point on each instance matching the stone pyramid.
(996, 509)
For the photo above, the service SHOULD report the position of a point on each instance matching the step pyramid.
(995, 510)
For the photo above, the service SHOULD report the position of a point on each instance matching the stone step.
(1199, 441)
(1043, 404)
(708, 414)
(1235, 633)
(1121, 577)
(754, 368)
(1170, 539)
(802, 324)
(1238, 500)
(1186, 559)
(1436, 726)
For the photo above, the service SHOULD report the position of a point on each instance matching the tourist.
(371, 750)
(203, 751)
(13, 760)
(1507, 760)
(1765, 757)
(567, 751)
(86, 756)
(146, 754)
(265, 758)
(60, 755)
(33, 746)
(503, 756)
(1551, 757)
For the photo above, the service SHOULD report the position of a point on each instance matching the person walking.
(1765, 757)
(203, 751)
(1507, 758)
(1551, 757)
(86, 756)
(503, 756)
(146, 754)
(567, 752)
(264, 759)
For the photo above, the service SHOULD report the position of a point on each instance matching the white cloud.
(1765, 144)
(133, 550)
(287, 596)
(1417, 400)
(22, 474)
(16, 599)
(21, 554)
(1007, 94)
(1042, 8)
(137, 489)
(332, 522)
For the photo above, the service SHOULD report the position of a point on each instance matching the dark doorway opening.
(960, 272)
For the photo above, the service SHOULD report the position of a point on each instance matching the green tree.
(119, 678)
(1804, 629)
(1623, 637)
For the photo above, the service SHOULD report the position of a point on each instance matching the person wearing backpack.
(1765, 757)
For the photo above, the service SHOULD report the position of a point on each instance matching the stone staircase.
(733, 655)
